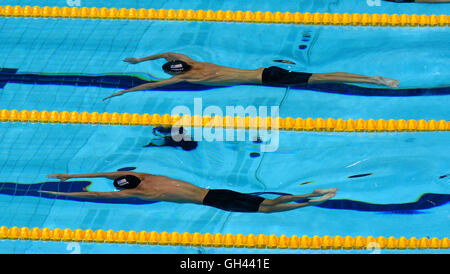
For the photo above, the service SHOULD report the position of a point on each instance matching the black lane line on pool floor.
(122, 81)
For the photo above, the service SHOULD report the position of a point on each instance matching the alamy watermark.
(74, 247)
(267, 134)
(373, 3)
(374, 247)
(73, 3)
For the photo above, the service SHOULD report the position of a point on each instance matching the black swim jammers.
(232, 201)
(275, 76)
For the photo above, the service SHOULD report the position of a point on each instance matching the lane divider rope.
(218, 240)
(228, 122)
(307, 18)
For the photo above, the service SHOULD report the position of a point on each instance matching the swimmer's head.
(127, 182)
(175, 67)
(189, 145)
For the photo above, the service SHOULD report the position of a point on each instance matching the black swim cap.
(127, 182)
(184, 144)
(189, 145)
(176, 66)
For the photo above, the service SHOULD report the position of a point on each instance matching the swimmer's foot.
(386, 81)
(321, 192)
(322, 199)
(150, 145)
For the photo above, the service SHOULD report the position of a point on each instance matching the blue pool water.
(400, 168)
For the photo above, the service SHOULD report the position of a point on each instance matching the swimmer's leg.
(156, 142)
(264, 207)
(292, 198)
(343, 77)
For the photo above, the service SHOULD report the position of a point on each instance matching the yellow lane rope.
(344, 19)
(235, 122)
(218, 240)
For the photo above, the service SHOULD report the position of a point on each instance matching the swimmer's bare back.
(162, 188)
(216, 75)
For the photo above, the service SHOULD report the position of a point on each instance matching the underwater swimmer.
(184, 69)
(179, 139)
(161, 188)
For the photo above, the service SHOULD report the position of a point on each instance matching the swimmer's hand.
(62, 176)
(150, 85)
(383, 81)
(132, 60)
(115, 94)
(75, 194)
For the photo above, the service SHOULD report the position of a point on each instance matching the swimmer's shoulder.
(146, 177)
(154, 177)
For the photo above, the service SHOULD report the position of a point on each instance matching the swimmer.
(419, 1)
(177, 140)
(184, 69)
(161, 188)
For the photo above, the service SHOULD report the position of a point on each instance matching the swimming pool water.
(398, 167)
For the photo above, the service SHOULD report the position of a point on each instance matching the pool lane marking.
(219, 240)
(306, 18)
(230, 122)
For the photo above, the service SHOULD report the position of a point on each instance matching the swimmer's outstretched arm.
(169, 56)
(91, 194)
(175, 79)
(110, 175)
